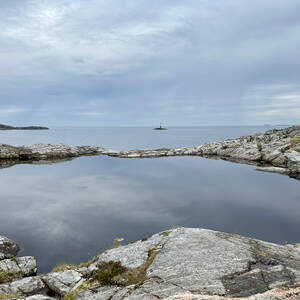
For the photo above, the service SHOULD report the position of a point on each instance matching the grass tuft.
(295, 141)
(107, 271)
(9, 276)
(63, 267)
(69, 296)
(10, 296)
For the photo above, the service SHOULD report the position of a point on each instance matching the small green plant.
(295, 140)
(107, 271)
(9, 276)
(69, 296)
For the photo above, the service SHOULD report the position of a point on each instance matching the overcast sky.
(138, 62)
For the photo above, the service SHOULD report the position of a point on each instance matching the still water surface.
(70, 211)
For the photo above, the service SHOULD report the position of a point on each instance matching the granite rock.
(8, 248)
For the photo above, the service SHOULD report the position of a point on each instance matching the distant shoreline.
(8, 127)
(273, 151)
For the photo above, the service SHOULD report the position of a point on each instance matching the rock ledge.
(182, 263)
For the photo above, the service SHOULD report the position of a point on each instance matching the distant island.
(7, 127)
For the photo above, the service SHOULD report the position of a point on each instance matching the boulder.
(8, 248)
(25, 286)
(26, 266)
(63, 282)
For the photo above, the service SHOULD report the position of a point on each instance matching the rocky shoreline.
(181, 263)
(273, 151)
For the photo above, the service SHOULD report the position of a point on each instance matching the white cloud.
(276, 102)
(103, 37)
(11, 110)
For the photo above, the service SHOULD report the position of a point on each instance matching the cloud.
(279, 103)
(11, 110)
(194, 63)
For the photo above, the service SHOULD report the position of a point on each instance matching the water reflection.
(73, 210)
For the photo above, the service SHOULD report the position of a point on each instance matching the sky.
(139, 62)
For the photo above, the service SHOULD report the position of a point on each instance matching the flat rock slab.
(200, 261)
(182, 263)
(276, 294)
(133, 255)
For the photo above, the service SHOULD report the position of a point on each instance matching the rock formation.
(273, 151)
(182, 263)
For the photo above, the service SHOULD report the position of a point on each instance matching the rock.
(26, 265)
(132, 255)
(39, 297)
(273, 170)
(276, 294)
(8, 248)
(293, 160)
(190, 261)
(28, 286)
(63, 282)
(25, 286)
(276, 148)
(100, 293)
(182, 263)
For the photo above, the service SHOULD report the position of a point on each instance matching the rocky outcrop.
(40, 152)
(277, 148)
(17, 274)
(182, 263)
(273, 151)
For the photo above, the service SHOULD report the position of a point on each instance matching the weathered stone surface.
(182, 263)
(276, 294)
(46, 151)
(133, 255)
(200, 261)
(28, 286)
(24, 265)
(25, 286)
(8, 248)
(101, 293)
(63, 282)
